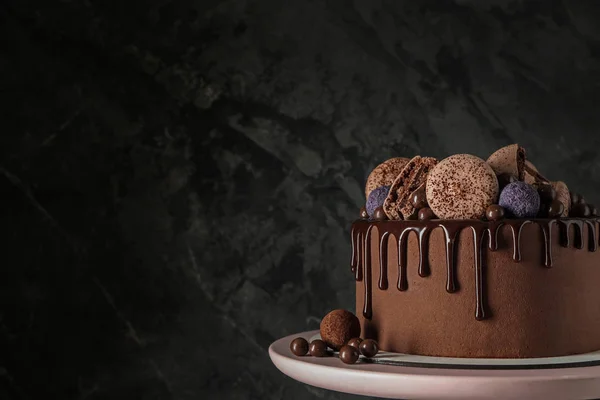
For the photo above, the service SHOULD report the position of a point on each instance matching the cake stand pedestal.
(549, 381)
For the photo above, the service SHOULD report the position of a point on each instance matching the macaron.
(532, 175)
(509, 160)
(563, 195)
(461, 186)
(384, 174)
(398, 204)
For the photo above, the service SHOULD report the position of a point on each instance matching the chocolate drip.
(423, 234)
(592, 244)
(361, 249)
(450, 233)
(359, 258)
(402, 243)
(383, 260)
(478, 233)
(547, 230)
(367, 309)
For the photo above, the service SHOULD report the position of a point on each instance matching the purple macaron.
(520, 200)
(376, 199)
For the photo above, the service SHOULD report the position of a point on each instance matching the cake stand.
(398, 376)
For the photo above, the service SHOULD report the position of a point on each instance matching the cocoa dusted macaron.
(398, 204)
(461, 186)
(384, 174)
(509, 160)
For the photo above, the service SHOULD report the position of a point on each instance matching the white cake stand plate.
(400, 376)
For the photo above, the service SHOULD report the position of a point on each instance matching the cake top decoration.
(463, 186)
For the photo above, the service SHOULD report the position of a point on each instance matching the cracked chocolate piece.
(398, 204)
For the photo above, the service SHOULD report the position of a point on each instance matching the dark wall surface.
(178, 177)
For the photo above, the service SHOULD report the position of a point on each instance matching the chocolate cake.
(479, 260)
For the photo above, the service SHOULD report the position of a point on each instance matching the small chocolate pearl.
(299, 346)
(547, 193)
(363, 213)
(555, 209)
(505, 179)
(419, 199)
(494, 212)
(348, 354)
(580, 210)
(576, 198)
(318, 348)
(379, 214)
(425, 214)
(354, 342)
(369, 348)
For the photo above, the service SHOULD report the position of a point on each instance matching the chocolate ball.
(505, 179)
(555, 209)
(299, 346)
(593, 210)
(379, 214)
(363, 213)
(547, 193)
(419, 199)
(338, 327)
(369, 348)
(354, 342)
(580, 210)
(494, 212)
(318, 348)
(426, 214)
(348, 354)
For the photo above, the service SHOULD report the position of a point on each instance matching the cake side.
(546, 304)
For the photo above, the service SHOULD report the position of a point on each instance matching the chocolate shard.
(413, 176)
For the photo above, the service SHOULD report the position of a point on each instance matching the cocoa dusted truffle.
(338, 327)
(384, 174)
(461, 187)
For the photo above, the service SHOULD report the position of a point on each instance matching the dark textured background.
(178, 177)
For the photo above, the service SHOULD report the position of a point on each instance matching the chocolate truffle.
(398, 204)
(379, 214)
(318, 348)
(349, 354)
(376, 199)
(299, 346)
(369, 348)
(354, 342)
(520, 200)
(338, 327)
(563, 195)
(461, 187)
(509, 160)
(384, 174)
